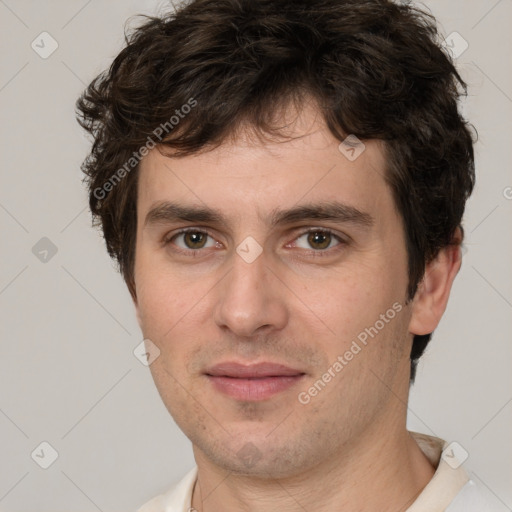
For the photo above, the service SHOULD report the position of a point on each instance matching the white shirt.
(449, 490)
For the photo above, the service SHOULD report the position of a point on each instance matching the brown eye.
(319, 239)
(189, 240)
(194, 239)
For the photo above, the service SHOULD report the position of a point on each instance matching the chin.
(255, 454)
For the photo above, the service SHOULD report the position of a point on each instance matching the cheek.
(161, 295)
(361, 312)
(172, 313)
(345, 302)
(162, 310)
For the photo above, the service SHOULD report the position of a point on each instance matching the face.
(283, 337)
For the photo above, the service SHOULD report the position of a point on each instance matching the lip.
(247, 371)
(254, 382)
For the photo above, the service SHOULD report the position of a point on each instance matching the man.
(282, 184)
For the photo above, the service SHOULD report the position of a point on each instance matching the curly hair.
(375, 69)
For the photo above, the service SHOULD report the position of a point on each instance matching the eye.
(316, 241)
(193, 240)
(319, 239)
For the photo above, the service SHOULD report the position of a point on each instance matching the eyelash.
(316, 253)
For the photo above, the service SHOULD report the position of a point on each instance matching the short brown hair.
(375, 69)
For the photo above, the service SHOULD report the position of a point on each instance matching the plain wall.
(68, 375)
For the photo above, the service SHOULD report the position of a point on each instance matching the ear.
(433, 291)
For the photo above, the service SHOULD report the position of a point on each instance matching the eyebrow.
(168, 212)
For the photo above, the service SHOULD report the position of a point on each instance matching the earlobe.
(433, 292)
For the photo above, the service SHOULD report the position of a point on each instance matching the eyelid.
(322, 229)
(342, 239)
(169, 237)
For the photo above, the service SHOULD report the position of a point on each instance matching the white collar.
(448, 480)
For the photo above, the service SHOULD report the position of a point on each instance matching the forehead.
(244, 177)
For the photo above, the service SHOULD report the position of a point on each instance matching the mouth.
(255, 382)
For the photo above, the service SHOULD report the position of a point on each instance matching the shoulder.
(154, 505)
(471, 498)
(176, 499)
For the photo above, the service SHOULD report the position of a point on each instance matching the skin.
(348, 448)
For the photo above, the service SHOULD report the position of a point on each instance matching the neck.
(378, 472)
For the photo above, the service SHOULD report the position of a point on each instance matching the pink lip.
(252, 382)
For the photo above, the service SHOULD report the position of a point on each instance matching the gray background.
(68, 375)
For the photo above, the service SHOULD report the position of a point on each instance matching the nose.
(251, 298)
